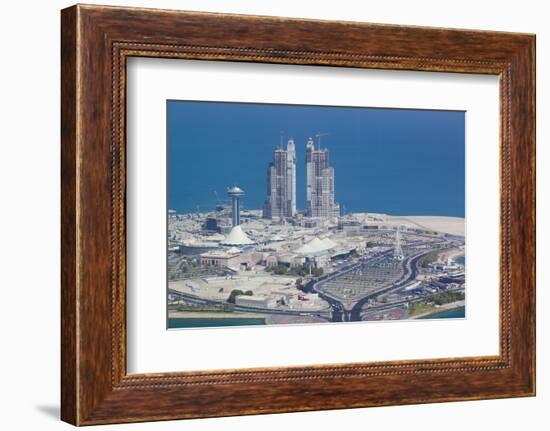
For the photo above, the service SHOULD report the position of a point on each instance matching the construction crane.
(221, 206)
(318, 136)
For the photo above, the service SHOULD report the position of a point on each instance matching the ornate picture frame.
(96, 41)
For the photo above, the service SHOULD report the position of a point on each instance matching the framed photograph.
(264, 214)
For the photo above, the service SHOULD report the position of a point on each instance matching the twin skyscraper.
(281, 183)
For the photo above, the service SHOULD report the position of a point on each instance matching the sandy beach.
(450, 225)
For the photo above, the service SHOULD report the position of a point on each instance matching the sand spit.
(450, 225)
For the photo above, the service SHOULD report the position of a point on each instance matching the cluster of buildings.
(276, 299)
(280, 240)
(449, 266)
(281, 183)
(237, 252)
(291, 253)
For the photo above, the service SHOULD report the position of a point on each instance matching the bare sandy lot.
(450, 225)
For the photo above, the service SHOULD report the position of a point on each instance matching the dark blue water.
(453, 313)
(394, 161)
(208, 322)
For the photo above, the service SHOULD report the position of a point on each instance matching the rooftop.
(237, 237)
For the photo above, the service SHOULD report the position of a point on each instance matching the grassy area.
(431, 302)
(416, 308)
(447, 297)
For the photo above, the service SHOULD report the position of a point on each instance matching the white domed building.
(237, 238)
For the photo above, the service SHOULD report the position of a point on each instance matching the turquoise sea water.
(453, 313)
(208, 322)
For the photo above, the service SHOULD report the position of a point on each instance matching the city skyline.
(364, 143)
(281, 182)
(294, 257)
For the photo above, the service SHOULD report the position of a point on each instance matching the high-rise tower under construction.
(320, 183)
(281, 183)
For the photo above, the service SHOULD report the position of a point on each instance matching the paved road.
(340, 313)
(203, 301)
(411, 269)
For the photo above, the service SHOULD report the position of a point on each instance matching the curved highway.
(339, 312)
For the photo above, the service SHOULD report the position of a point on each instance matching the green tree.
(237, 292)
(234, 293)
(280, 270)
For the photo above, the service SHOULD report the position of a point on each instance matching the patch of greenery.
(447, 297)
(437, 299)
(299, 271)
(419, 308)
(237, 292)
(428, 258)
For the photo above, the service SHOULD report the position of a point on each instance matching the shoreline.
(444, 307)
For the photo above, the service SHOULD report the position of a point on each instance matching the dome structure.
(316, 245)
(237, 237)
(328, 243)
(235, 191)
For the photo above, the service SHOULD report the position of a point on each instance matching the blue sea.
(395, 161)
(208, 322)
(453, 313)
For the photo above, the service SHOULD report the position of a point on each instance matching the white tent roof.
(316, 245)
(237, 237)
(328, 243)
(305, 249)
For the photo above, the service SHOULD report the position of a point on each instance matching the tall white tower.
(235, 193)
(291, 178)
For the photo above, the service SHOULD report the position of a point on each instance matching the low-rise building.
(252, 301)
(231, 258)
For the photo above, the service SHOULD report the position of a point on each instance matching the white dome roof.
(328, 243)
(305, 249)
(235, 191)
(316, 245)
(237, 237)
